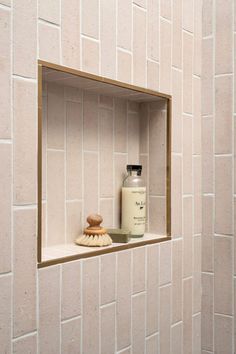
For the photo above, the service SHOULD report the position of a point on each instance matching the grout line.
(6, 274)
(223, 315)
(60, 309)
(224, 235)
(6, 141)
(71, 319)
(49, 23)
(24, 78)
(139, 7)
(24, 207)
(15, 339)
(5, 7)
(87, 36)
(222, 75)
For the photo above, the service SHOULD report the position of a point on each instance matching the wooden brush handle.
(94, 221)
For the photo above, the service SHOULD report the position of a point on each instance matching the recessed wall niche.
(90, 128)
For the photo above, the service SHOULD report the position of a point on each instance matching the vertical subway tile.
(108, 38)
(144, 129)
(124, 23)
(177, 338)
(108, 278)
(234, 238)
(153, 29)
(139, 261)
(188, 15)
(24, 267)
(70, 290)
(165, 56)
(197, 40)
(6, 214)
(25, 156)
(187, 155)
(223, 195)
(197, 334)
(74, 220)
(49, 43)
(120, 127)
(70, 33)
(223, 268)
(24, 38)
(187, 70)
(177, 33)
(223, 329)
(140, 3)
(207, 234)
(197, 116)
(207, 311)
(177, 119)
(139, 47)
(187, 316)
(106, 152)
(197, 193)
(157, 153)
(165, 263)
(90, 55)
(223, 36)
(89, 15)
(5, 88)
(90, 288)
(223, 114)
(176, 196)
(106, 210)
(108, 329)
(90, 183)
(152, 294)
(90, 121)
(196, 274)
(207, 155)
(207, 76)
(133, 138)
(165, 319)
(124, 64)
(71, 336)
(177, 271)
(5, 313)
(123, 314)
(207, 18)
(44, 145)
(25, 345)
(106, 101)
(152, 75)
(152, 344)
(187, 236)
(73, 150)
(157, 215)
(49, 310)
(49, 11)
(55, 197)
(138, 324)
(55, 116)
(120, 172)
(165, 9)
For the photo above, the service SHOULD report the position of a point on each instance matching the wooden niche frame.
(112, 84)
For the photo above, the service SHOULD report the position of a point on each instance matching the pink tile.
(73, 150)
(5, 93)
(187, 70)
(133, 138)
(165, 319)
(177, 33)
(24, 280)
(177, 273)
(223, 329)
(108, 38)
(90, 121)
(25, 345)
(187, 236)
(165, 56)
(165, 263)
(55, 116)
(187, 155)
(6, 201)
(207, 155)
(153, 75)
(108, 278)
(124, 63)
(176, 193)
(207, 76)
(124, 23)
(207, 311)
(207, 18)
(139, 260)
(207, 233)
(71, 336)
(49, 11)
(89, 15)
(49, 43)
(5, 313)
(90, 55)
(139, 47)
(177, 119)
(108, 329)
(70, 290)
(120, 126)
(138, 323)
(153, 29)
(157, 215)
(74, 220)
(90, 183)
(120, 173)
(106, 210)
(187, 316)
(24, 38)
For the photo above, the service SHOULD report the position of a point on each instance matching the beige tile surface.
(177, 119)
(153, 75)
(5, 88)
(139, 269)
(139, 47)
(49, 47)
(124, 63)
(187, 236)
(25, 345)
(90, 183)
(90, 121)
(152, 344)
(223, 327)
(107, 336)
(207, 311)
(24, 279)
(177, 339)
(165, 263)
(6, 200)
(70, 290)
(165, 59)
(165, 319)
(71, 336)
(90, 55)
(55, 116)
(153, 29)
(5, 313)
(177, 270)
(187, 155)
(89, 15)
(108, 278)
(138, 323)
(177, 33)
(124, 23)
(207, 77)
(187, 68)
(207, 155)
(74, 220)
(176, 188)
(49, 11)
(165, 9)
(187, 316)
(188, 15)
(207, 18)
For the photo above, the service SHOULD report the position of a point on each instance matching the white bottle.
(133, 215)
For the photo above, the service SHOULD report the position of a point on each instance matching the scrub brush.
(94, 235)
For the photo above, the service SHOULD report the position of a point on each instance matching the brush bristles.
(94, 240)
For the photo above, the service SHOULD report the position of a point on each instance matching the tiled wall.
(88, 139)
(218, 176)
(132, 301)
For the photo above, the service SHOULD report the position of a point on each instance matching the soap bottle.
(133, 215)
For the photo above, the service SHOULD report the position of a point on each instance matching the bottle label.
(134, 209)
